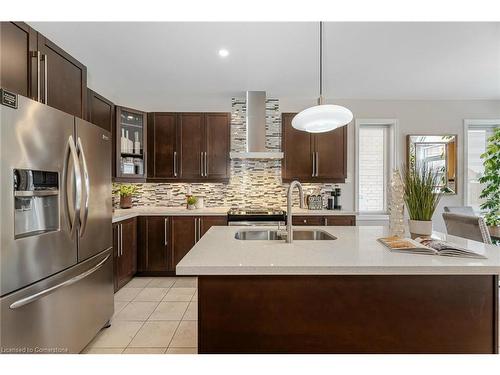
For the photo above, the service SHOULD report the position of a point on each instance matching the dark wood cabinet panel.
(64, 79)
(183, 237)
(162, 145)
(331, 151)
(125, 243)
(313, 157)
(321, 220)
(209, 221)
(308, 220)
(154, 253)
(17, 42)
(217, 134)
(192, 133)
(297, 146)
(100, 111)
(346, 221)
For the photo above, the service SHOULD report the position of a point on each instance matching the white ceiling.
(175, 66)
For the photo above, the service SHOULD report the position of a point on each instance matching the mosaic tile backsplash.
(253, 182)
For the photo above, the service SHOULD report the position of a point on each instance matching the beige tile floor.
(152, 316)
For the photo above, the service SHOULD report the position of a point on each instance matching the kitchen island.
(349, 295)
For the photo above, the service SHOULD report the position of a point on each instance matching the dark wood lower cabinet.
(124, 251)
(209, 221)
(319, 220)
(164, 240)
(348, 314)
(154, 251)
(184, 236)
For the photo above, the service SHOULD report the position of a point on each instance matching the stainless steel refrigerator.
(56, 237)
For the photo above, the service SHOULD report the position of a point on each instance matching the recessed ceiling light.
(223, 52)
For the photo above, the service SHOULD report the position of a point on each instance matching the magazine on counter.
(428, 246)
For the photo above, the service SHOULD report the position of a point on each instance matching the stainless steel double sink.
(274, 235)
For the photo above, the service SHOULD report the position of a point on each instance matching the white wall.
(424, 117)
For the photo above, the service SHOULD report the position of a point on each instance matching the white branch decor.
(396, 205)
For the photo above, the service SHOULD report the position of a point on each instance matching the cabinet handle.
(175, 163)
(121, 239)
(195, 229)
(314, 163)
(305, 221)
(325, 221)
(199, 229)
(201, 164)
(45, 78)
(37, 54)
(165, 231)
(317, 164)
(206, 164)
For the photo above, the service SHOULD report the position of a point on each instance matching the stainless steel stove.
(256, 216)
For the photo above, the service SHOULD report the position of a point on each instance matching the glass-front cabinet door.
(130, 144)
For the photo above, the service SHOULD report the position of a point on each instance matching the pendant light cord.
(321, 62)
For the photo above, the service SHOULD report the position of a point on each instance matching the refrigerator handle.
(86, 181)
(24, 301)
(71, 150)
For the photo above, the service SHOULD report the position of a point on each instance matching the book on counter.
(427, 246)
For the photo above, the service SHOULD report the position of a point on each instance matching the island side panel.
(348, 314)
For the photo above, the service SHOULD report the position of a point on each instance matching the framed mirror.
(437, 152)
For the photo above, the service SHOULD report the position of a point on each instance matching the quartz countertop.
(356, 251)
(123, 214)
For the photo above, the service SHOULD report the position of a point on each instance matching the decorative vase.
(420, 228)
(191, 206)
(494, 230)
(125, 201)
(200, 203)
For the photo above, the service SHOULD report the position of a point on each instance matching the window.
(375, 159)
(476, 134)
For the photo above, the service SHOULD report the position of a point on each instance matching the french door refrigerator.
(55, 213)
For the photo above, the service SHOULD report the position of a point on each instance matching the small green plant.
(126, 190)
(191, 200)
(491, 180)
(420, 193)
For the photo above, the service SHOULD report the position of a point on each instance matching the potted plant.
(491, 181)
(421, 198)
(191, 202)
(126, 191)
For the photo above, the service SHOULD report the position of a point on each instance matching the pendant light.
(322, 117)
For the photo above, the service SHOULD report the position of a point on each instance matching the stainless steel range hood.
(256, 130)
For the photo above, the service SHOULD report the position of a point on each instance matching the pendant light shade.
(322, 117)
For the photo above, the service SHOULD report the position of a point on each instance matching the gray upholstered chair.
(464, 210)
(467, 226)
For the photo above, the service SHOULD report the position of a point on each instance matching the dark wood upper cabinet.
(131, 145)
(188, 146)
(297, 163)
(192, 131)
(163, 142)
(63, 79)
(154, 252)
(310, 157)
(331, 154)
(183, 237)
(217, 136)
(100, 111)
(17, 46)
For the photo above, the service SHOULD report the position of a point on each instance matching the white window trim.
(470, 123)
(393, 125)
